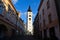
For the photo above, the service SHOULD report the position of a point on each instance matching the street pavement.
(20, 37)
(24, 37)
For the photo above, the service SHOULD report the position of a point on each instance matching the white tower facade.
(29, 22)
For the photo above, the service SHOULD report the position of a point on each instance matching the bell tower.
(29, 22)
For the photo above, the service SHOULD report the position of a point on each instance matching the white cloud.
(14, 1)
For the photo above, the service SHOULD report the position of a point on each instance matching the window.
(13, 14)
(29, 15)
(44, 22)
(1, 9)
(52, 32)
(41, 34)
(45, 33)
(49, 18)
(9, 8)
(40, 16)
(43, 12)
(40, 25)
(48, 4)
(0, 1)
(29, 18)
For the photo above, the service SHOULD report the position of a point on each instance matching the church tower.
(29, 22)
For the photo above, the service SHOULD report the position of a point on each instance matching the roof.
(40, 4)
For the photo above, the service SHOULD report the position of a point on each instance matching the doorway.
(52, 33)
(3, 29)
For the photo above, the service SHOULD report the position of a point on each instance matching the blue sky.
(22, 7)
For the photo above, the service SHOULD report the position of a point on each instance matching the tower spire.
(29, 9)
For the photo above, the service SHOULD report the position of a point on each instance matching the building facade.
(29, 22)
(36, 27)
(48, 20)
(10, 23)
